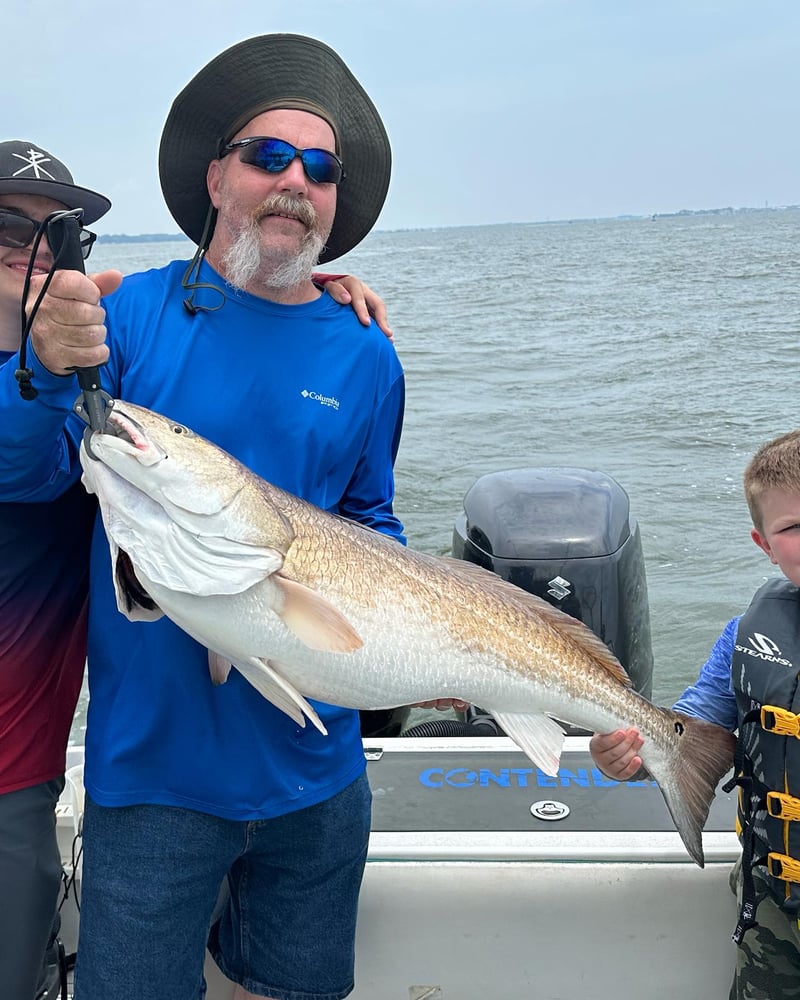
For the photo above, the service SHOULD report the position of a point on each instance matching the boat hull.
(469, 894)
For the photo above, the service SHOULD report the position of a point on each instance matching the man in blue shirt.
(272, 158)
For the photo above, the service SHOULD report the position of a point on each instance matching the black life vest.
(764, 671)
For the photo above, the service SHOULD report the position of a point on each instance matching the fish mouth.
(126, 436)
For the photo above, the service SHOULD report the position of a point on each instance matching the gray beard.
(246, 261)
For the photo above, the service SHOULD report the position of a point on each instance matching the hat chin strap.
(193, 270)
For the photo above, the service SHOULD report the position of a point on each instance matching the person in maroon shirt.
(44, 570)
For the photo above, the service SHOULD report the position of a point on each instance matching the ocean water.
(659, 351)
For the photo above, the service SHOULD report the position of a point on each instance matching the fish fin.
(468, 570)
(314, 620)
(219, 667)
(583, 636)
(266, 678)
(132, 599)
(552, 617)
(688, 773)
(538, 736)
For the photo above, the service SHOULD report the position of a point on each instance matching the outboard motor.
(567, 536)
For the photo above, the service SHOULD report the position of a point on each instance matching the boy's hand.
(443, 704)
(616, 754)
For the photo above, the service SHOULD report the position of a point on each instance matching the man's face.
(241, 192)
(14, 260)
(780, 534)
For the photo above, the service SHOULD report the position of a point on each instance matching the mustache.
(285, 204)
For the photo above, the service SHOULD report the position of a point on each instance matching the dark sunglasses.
(274, 155)
(19, 231)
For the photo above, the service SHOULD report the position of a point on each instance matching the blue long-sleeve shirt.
(711, 697)
(308, 399)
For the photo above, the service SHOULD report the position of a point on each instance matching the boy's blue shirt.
(711, 697)
(311, 401)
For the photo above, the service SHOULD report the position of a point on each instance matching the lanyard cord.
(192, 272)
(23, 374)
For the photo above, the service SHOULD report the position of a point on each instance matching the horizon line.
(625, 217)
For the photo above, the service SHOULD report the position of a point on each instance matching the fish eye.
(178, 429)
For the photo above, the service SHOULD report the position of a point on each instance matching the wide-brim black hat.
(26, 168)
(249, 78)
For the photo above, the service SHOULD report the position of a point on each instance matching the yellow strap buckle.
(783, 806)
(780, 721)
(783, 867)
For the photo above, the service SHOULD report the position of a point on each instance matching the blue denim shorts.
(152, 878)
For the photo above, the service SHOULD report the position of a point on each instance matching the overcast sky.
(497, 110)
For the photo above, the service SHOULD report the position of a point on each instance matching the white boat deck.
(540, 911)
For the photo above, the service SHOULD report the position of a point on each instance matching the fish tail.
(691, 769)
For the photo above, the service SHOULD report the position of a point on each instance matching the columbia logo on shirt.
(331, 401)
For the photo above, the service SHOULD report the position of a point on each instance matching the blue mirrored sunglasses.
(274, 155)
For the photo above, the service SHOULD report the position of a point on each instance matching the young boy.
(750, 683)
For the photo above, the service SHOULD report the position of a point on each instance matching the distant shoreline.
(143, 238)
(684, 212)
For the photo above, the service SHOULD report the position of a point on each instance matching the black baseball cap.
(26, 168)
